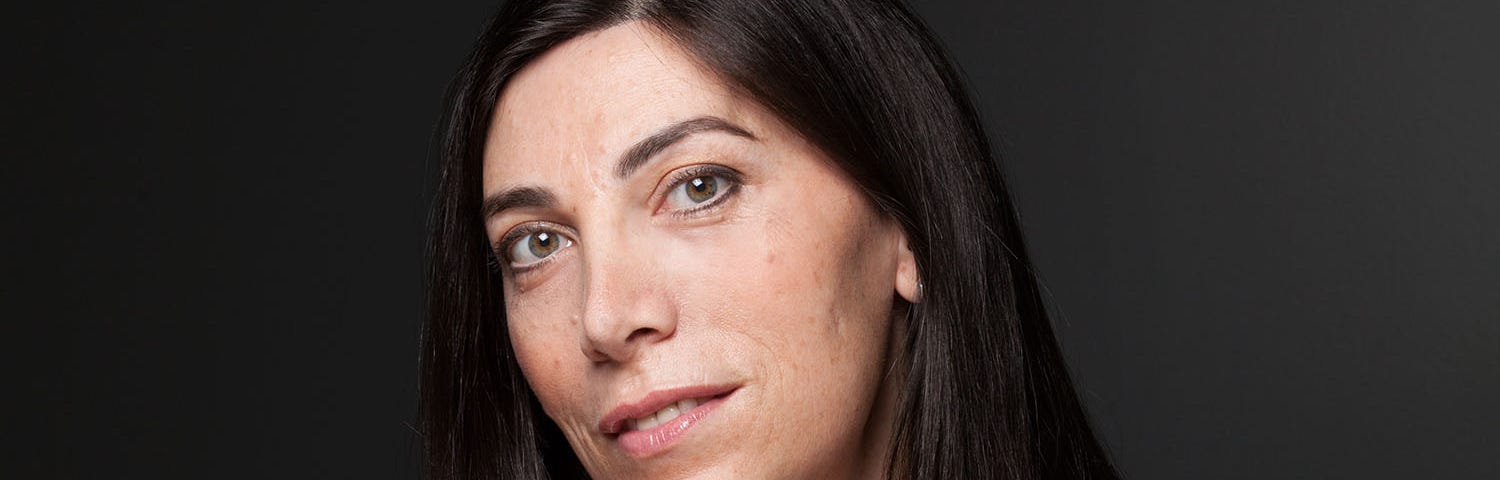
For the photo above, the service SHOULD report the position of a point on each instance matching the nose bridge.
(624, 307)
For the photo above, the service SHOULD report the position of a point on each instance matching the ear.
(908, 280)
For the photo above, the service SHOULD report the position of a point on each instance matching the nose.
(626, 307)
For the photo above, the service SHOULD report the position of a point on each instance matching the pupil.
(702, 188)
(542, 244)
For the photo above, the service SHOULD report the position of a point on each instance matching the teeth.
(667, 413)
(664, 415)
(646, 423)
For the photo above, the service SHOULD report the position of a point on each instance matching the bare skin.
(738, 256)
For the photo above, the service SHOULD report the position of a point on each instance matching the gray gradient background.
(1270, 228)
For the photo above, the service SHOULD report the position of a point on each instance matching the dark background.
(1271, 229)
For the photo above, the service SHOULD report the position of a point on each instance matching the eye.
(699, 190)
(530, 248)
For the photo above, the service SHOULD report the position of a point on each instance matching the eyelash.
(498, 251)
(683, 176)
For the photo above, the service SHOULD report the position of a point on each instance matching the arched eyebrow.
(644, 150)
(633, 159)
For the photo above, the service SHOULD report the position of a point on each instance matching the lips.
(616, 421)
(653, 423)
(666, 414)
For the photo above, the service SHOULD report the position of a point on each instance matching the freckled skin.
(784, 287)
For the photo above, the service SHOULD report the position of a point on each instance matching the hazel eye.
(535, 247)
(697, 191)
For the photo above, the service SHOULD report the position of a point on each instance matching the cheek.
(542, 338)
(823, 260)
(818, 286)
(813, 291)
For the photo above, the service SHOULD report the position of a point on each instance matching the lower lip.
(645, 443)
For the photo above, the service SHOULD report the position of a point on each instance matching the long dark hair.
(986, 395)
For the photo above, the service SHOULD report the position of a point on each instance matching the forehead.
(584, 102)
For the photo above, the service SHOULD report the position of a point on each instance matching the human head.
(984, 393)
(652, 213)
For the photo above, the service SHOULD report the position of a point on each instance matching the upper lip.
(614, 422)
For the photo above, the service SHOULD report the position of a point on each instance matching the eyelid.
(501, 248)
(681, 176)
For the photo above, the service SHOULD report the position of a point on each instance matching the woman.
(731, 239)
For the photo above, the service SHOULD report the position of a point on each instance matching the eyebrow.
(644, 150)
(521, 197)
(633, 159)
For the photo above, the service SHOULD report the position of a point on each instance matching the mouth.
(654, 423)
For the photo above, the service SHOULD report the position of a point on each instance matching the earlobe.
(908, 279)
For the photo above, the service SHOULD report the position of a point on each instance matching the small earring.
(921, 291)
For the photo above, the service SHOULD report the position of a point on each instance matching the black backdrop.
(1270, 227)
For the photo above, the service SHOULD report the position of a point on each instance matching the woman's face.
(691, 288)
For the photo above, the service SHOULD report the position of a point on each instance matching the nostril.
(640, 333)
